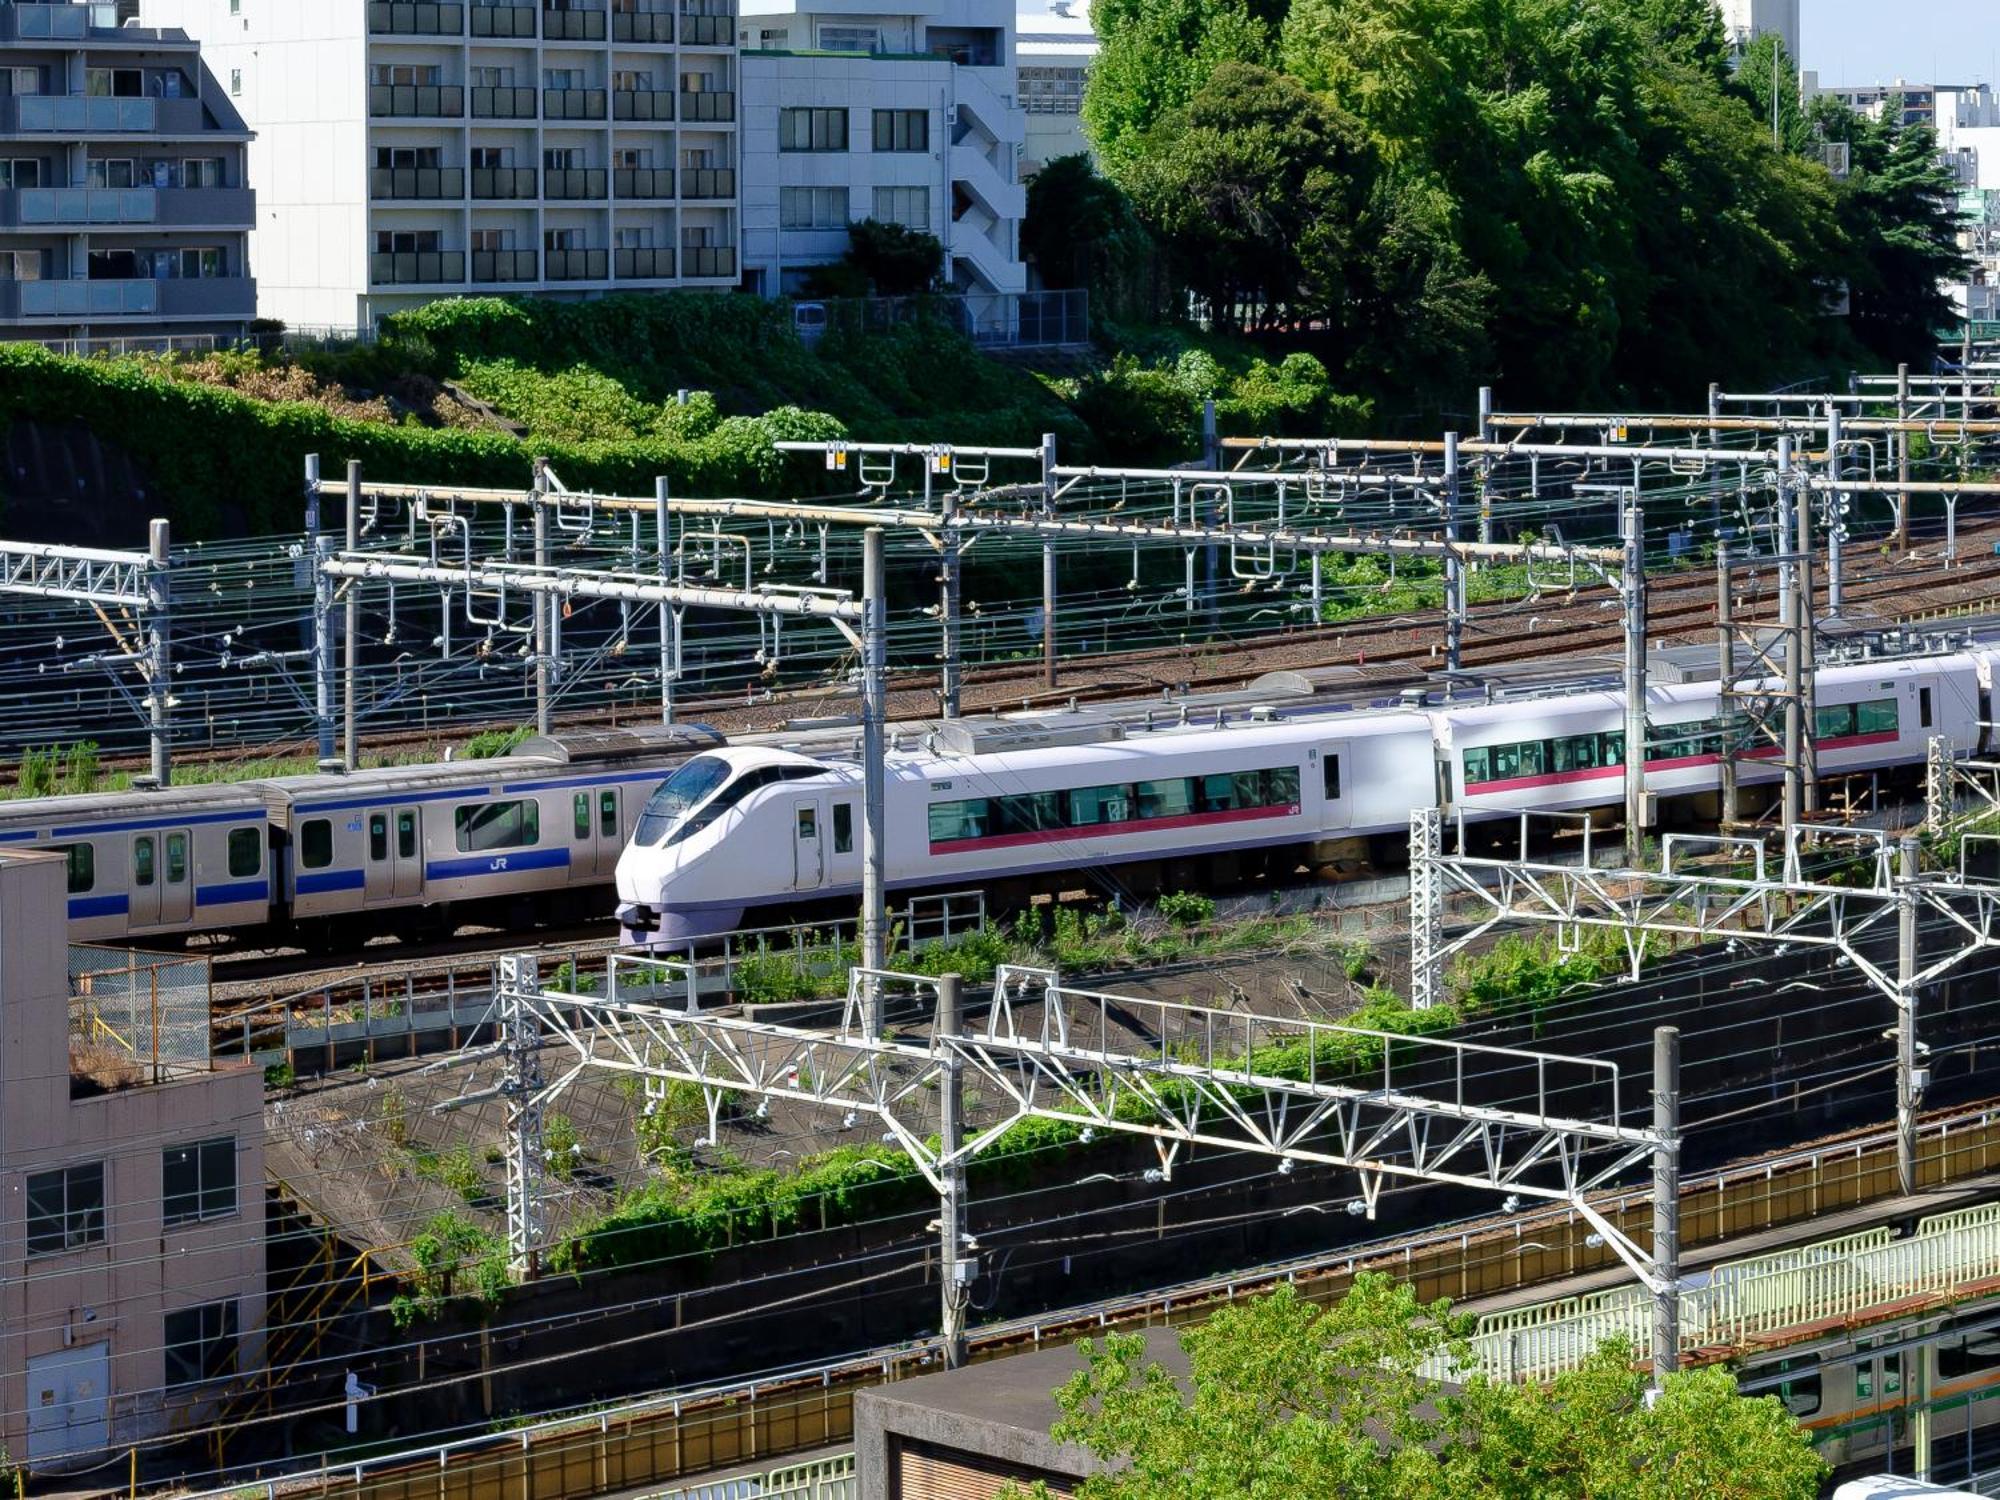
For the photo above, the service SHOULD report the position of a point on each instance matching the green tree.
(897, 260)
(1153, 58)
(1767, 72)
(1285, 1398)
(1080, 229)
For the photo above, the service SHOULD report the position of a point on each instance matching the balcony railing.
(708, 260)
(707, 31)
(643, 265)
(431, 101)
(415, 18)
(576, 265)
(707, 106)
(642, 182)
(503, 20)
(708, 182)
(56, 23)
(416, 182)
(572, 25)
(572, 104)
(84, 113)
(503, 103)
(79, 205)
(504, 182)
(78, 298)
(574, 182)
(416, 267)
(642, 26)
(642, 104)
(503, 265)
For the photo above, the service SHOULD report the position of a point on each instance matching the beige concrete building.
(131, 1193)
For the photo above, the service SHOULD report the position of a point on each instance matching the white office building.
(1746, 20)
(408, 150)
(852, 112)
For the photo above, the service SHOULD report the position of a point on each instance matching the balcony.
(643, 26)
(78, 298)
(707, 31)
(55, 23)
(429, 101)
(642, 104)
(572, 104)
(415, 18)
(503, 104)
(503, 182)
(643, 265)
(573, 25)
(208, 297)
(708, 182)
(504, 265)
(503, 21)
(574, 182)
(708, 260)
(417, 183)
(576, 265)
(417, 268)
(642, 182)
(707, 106)
(82, 114)
(85, 206)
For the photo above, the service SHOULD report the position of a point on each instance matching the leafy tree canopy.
(1285, 1399)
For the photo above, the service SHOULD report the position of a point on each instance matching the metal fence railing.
(148, 1011)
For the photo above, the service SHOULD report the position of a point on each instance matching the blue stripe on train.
(505, 862)
(331, 880)
(233, 891)
(98, 906)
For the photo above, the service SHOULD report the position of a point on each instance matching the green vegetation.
(455, 1259)
(54, 772)
(1287, 1398)
(77, 769)
(489, 743)
(563, 1146)
(279, 1076)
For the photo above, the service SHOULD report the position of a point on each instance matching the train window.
(1092, 805)
(246, 852)
(406, 834)
(958, 820)
(1923, 708)
(1968, 1354)
(1614, 749)
(1576, 752)
(1800, 1392)
(1833, 722)
(378, 836)
(144, 852)
(1330, 775)
(316, 843)
(1478, 767)
(843, 828)
(497, 825)
(177, 858)
(580, 808)
(1163, 799)
(677, 794)
(1030, 812)
(1878, 716)
(1281, 786)
(808, 823)
(82, 865)
(607, 814)
(1889, 1367)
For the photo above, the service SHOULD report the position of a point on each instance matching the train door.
(1333, 786)
(808, 844)
(162, 878)
(598, 828)
(1878, 1415)
(393, 859)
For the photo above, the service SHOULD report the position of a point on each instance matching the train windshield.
(686, 788)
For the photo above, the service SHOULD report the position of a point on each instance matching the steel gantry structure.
(1179, 1076)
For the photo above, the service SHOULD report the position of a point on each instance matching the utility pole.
(662, 531)
(1485, 464)
(1634, 591)
(521, 1090)
(1048, 562)
(321, 547)
(1910, 1079)
(955, 1269)
(1725, 629)
(874, 651)
(544, 603)
(1666, 1203)
(159, 625)
(1788, 606)
(1454, 567)
(1902, 458)
(1805, 623)
(1835, 503)
(351, 666)
(951, 670)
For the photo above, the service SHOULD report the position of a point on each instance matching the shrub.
(489, 744)
(1187, 909)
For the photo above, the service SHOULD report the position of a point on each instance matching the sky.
(1919, 41)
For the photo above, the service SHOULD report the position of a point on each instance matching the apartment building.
(414, 149)
(1746, 20)
(1056, 45)
(132, 1238)
(124, 207)
(908, 117)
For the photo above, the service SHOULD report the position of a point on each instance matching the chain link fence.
(138, 1017)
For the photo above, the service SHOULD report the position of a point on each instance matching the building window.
(114, 83)
(812, 208)
(23, 80)
(65, 1209)
(408, 75)
(406, 241)
(21, 172)
(498, 825)
(769, 40)
(562, 78)
(908, 206)
(198, 1181)
(492, 241)
(631, 81)
(632, 158)
(408, 156)
(635, 239)
(1052, 91)
(812, 130)
(698, 158)
(201, 172)
(561, 239)
(850, 39)
(562, 158)
(108, 172)
(492, 158)
(201, 1344)
(236, 83)
(902, 130)
(492, 78)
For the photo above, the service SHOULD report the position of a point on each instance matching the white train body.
(755, 829)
